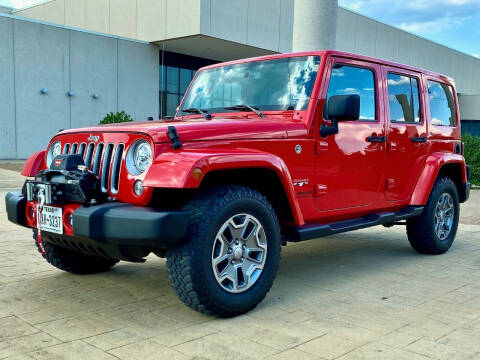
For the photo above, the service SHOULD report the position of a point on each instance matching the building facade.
(140, 55)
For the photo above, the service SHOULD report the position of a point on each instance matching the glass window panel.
(403, 98)
(172, 79)
(171, 104)
(442, 104)
(163, 109)
(349, 80)
(161, 78)
(185, 78)
(289, 82)
(417, 113)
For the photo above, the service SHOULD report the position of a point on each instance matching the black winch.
(67, 180)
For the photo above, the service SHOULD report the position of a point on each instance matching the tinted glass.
(442, 104)
(279, 84)
(349, 80)
(172, 103)
(403, 98)
(185, 78)
(172, 79)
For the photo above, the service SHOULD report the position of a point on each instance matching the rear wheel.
(433, 232)
(231, 252)
(71, 261)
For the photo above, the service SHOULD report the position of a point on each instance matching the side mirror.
(340, 108)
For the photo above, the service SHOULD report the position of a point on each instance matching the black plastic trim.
(313, 231)
(124, 224)
(419, 139)
(15, 204)
(377, 139)
(465, 192)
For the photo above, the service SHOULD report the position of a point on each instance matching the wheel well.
(265, 181)
(454, 172)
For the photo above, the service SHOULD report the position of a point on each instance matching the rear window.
(403, 99)
(442, 104)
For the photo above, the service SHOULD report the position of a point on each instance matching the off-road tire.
(189, 264)
(71, 261)
(421, 229)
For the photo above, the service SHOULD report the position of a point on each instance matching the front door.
(406, 132)
(349, 167)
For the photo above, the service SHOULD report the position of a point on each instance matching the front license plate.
(51, 220)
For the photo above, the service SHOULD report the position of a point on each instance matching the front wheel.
(434, 230)
(231, 252)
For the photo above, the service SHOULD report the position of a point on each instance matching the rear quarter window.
(442, 104)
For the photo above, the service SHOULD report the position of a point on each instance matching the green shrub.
(472, 156)
(117, 117)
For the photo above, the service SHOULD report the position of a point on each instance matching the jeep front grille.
(103, 159)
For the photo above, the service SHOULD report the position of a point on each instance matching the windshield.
(279, 84)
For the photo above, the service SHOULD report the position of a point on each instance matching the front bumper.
(112, 227)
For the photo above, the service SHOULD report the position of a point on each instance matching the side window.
(442, 104)
(350, 80)
(403, 99)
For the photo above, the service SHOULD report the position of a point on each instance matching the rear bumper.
(114, 224)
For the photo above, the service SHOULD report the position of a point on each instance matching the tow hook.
(41, 202)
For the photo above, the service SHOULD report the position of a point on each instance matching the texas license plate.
(51, 219)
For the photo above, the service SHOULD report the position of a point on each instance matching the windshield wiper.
(198, 111)
(245, 107)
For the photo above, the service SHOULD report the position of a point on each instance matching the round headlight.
(54, 150)
(143, 156)
(139, 157)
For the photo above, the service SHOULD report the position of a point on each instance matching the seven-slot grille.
(103, 159)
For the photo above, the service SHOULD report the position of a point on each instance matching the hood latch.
(173, 136)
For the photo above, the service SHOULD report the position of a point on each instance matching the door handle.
(377, 139)
(419, 139)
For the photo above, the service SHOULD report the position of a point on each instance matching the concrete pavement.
(360, 295)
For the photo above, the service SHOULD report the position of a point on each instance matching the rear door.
(406, 131)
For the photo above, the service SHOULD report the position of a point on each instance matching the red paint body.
(346, 176)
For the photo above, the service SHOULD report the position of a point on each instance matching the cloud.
(419, 16)
(476, 55)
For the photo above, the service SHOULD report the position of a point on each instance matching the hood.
(219, 128)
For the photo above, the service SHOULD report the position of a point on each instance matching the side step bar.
(313, 231)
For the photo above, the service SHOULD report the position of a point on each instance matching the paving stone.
(71, 351)
(377, 351)
(360, 295)
(223, 346)
(440, 351)
(148, 350)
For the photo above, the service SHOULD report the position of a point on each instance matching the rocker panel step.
(313, 231)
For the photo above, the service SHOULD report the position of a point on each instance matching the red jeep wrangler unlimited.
(261, 151)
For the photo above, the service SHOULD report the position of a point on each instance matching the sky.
(454, 23)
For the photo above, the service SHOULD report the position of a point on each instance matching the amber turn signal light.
(197, 174)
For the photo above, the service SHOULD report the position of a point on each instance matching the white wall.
(265, 24)
(469, 106)
(35, 56)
